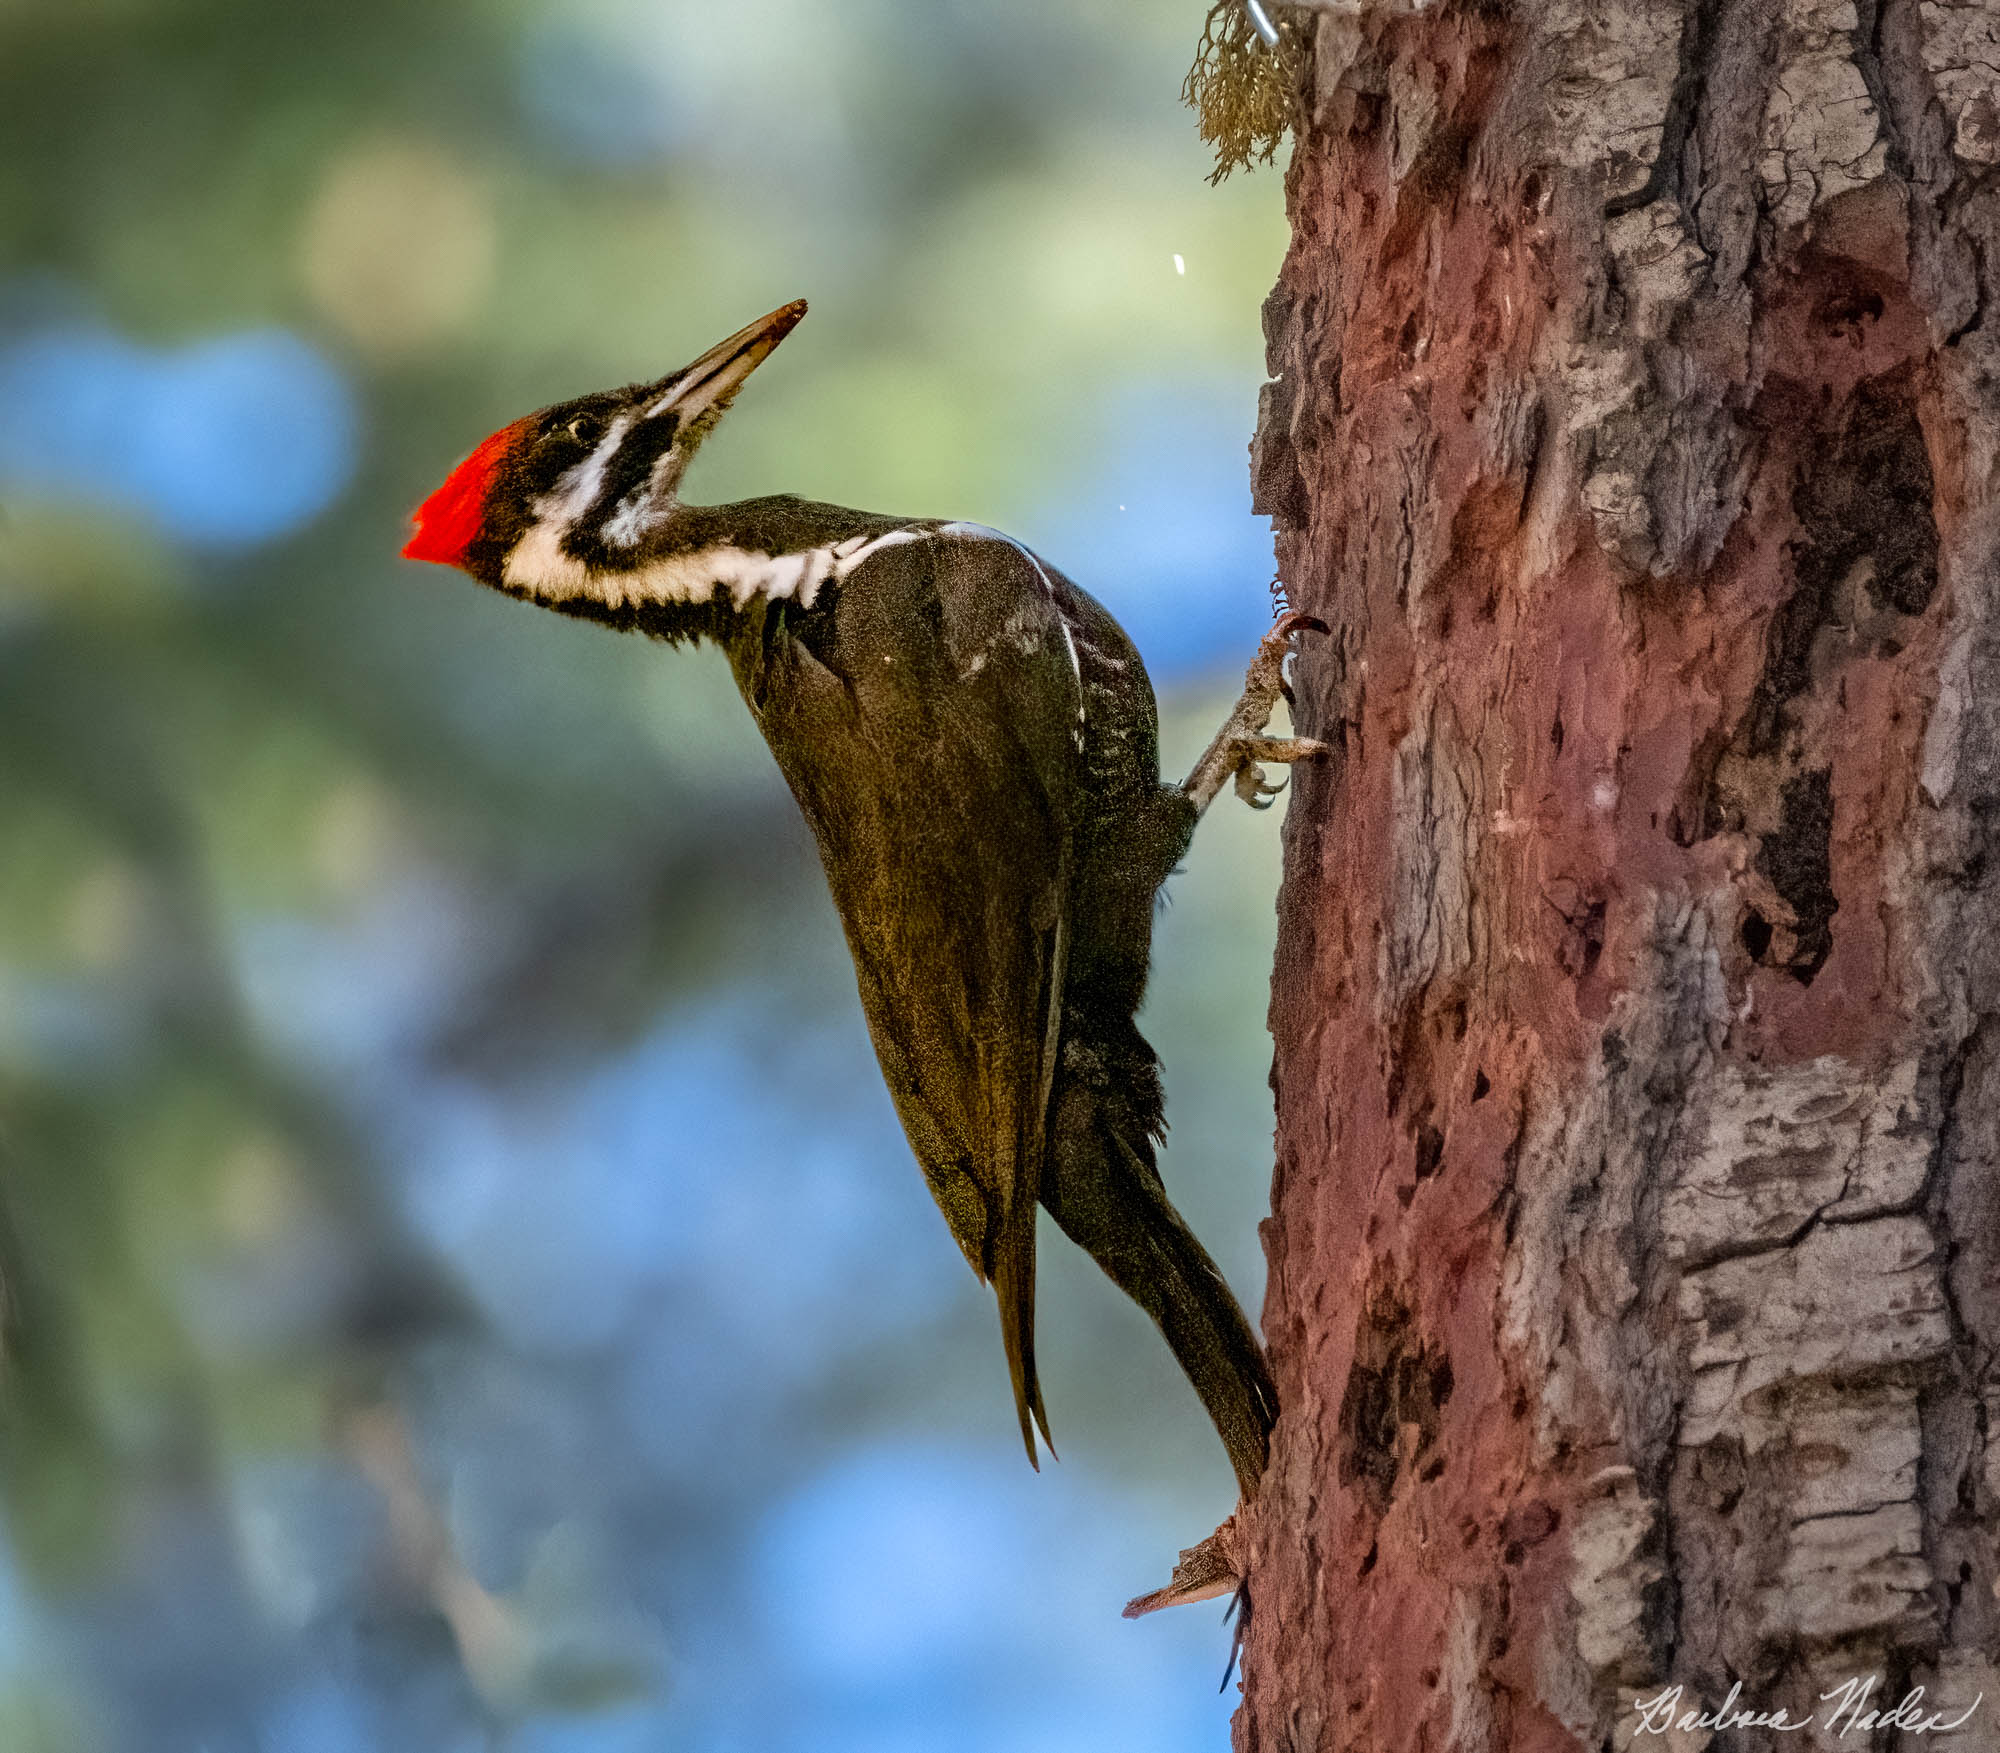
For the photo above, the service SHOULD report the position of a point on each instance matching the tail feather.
(1109, 1200)
(1209, 1334)
(1014, 1288)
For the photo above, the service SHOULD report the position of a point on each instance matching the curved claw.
(1254, 788)
(1238, 1610)
(1240, 739)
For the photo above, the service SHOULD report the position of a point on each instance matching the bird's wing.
(930, 729)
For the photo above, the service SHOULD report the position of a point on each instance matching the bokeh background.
(465, 1284)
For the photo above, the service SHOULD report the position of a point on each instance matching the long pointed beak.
(718, 374)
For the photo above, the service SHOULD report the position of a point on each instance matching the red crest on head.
(449, 521)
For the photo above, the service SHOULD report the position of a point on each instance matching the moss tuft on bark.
(1243, 90)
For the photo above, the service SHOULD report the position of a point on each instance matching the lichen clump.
(1244, 90)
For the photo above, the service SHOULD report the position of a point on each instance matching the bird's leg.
(1240, 744)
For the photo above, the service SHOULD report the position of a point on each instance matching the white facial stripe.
(624, 527)
(539, 566)
(644, 507)
(577, 488)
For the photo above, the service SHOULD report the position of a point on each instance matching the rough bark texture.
(1635, 1260)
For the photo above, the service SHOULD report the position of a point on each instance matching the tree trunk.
(1634, 1260)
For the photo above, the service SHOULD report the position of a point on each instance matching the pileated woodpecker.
(973, 741)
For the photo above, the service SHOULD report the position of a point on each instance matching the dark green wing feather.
(941, 785)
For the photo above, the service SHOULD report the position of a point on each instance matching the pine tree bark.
(1635, 1253)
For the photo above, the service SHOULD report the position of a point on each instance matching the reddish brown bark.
(1633, 1292)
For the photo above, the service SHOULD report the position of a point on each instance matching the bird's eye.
(582, 428)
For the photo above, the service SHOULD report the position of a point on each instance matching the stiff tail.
(1109, 1201)
(1014, 1287)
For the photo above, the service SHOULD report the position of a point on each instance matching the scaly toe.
(1254, 787)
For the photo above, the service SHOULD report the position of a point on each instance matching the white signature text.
(1849, 1709)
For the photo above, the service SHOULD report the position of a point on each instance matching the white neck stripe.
(539, 567)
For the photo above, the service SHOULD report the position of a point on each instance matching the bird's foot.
(1205, 1570)
(1251, 784)
(1209, 1568)
(1240, 744)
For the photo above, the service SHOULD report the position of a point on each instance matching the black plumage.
(973, 740)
